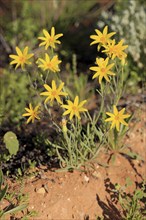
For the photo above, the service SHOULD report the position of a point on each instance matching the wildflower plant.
(110, 73)
(80, 135)
(74, 108)
(49, 64)
(50, 39)
(102, 70)
(54, 93)
(32, 113)
(102, 39)
(117, 117)
(22, 58)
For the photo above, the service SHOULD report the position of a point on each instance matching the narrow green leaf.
(3, 192)
(16, 209)
(1, 178)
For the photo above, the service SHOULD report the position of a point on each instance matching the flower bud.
(63, 124)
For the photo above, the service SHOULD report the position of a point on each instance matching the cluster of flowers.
(102, 70)
(52, 92)
(112, 51)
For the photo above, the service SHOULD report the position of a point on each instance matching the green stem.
(34, 87)
(89, 116)
(69, 147)
(102, 103)
(119, 87)
(48, 110)
(115, 139)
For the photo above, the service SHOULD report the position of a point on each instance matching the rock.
(96, 174)
(86, 178)
(41, 190)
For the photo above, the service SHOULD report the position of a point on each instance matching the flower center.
(74, 108)
(102, 39)
(49, 65)
(111, 49)
(117, 117)
(54, 93)
(51, 39)
(33, 114)
(103, 70)
(22, 59)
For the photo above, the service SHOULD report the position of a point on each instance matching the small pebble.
(86, 178)
(41, 190)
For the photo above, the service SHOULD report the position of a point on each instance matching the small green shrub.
(132, 205)
(11, 142)
(123, 205)
(15, 90)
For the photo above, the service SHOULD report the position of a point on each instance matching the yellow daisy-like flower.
(32, 113)
(101, 38)
(54, 92)
(74, 108)
(116, 50)
(22, 58)
(49, 40)
(49, 64)
(117, 117)
(103, 69)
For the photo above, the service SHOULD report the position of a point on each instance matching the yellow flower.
(49, 64)
(103, 69)
(117, 117)
(101, 38)
(116, 50)
(22, 57)
(50, 39)
(32, 113)
(74, 108)
(54, 92)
